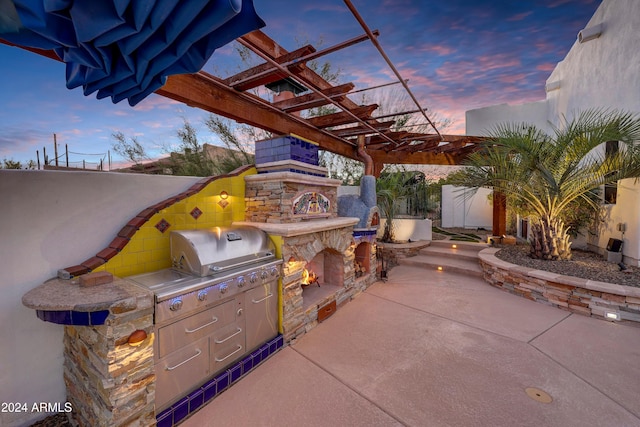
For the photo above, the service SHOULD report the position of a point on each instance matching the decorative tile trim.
(118, 243)
(74, 318)
(195, 400)
(294, 170)
(147, 213)
(369, 236)
(195, 213)
(107, 253)
(93, 263)
(136, 222)
(127, 231)
(162, 225)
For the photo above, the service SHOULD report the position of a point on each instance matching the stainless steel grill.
(217, 303)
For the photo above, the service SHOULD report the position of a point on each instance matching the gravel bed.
(584, 264)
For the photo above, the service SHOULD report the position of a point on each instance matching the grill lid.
(216, 250)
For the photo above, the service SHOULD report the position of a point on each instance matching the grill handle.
(228, 356)
(171, 368)
(190, 331)
(217, 341)
(262, 299)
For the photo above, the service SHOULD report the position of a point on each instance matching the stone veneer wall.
(303, 248)
(573, 294)
(269, 197)
(109, 382)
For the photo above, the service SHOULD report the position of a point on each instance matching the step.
(444, 251)
(468, 266)
(470, 246)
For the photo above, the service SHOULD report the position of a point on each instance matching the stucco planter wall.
(406, 229)
(583, 296)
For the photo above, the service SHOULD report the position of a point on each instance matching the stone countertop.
(303, 227)
(59, 295)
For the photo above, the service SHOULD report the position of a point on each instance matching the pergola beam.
(266, 73)
(363, 130)
(343, 118)
(209, 93)
(417, 158)
(313, 100)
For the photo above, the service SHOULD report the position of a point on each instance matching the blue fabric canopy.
(125, 49)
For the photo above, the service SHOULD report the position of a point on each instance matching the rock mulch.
(584, 264)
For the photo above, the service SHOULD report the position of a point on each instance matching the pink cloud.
(512, 78)
(438, 49)
(156, 102)
(519, 16)
(546, 67)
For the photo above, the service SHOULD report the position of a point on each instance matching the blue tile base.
(75, 318)
(303, 172)
(192, 402)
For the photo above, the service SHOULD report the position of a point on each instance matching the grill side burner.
(217, 304)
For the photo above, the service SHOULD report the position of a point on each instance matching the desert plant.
(390, 188)
(546, 174)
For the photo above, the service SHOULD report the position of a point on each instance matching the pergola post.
(499, 213)
(377, 169)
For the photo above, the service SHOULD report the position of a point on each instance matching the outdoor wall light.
(439, 268)
(549, 87)
(590, 33)
(137, 338)
(611, 315)
(224, 195)
(454, 246)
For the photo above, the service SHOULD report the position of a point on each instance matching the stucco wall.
(482, 121)
(600, 73)
(461, 209)
(603, 72)
(50, 220)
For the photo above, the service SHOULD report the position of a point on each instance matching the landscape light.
(611, 315)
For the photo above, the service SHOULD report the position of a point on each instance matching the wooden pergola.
(341, 132)
(337, 132)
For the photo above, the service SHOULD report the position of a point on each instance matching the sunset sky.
(457, 54)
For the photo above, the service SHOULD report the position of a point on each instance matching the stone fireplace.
(295, 202)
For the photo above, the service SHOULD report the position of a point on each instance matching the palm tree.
(391, 188)
(548, 174)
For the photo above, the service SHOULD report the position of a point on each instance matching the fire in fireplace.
(309, 277)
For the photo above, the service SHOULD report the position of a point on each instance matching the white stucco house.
(602, 70)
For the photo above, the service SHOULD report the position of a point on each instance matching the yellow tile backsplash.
(148, 250)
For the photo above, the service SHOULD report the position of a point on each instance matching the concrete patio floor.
(431, 348)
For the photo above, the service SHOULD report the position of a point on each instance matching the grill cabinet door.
(182, 333)
(261, 314)
(180, 371)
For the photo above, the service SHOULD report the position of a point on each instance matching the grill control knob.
(202, 295)
(224, 288)
(273, 271)
(264, 274)
(241, 281)
(253, 278)
(175, 305)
